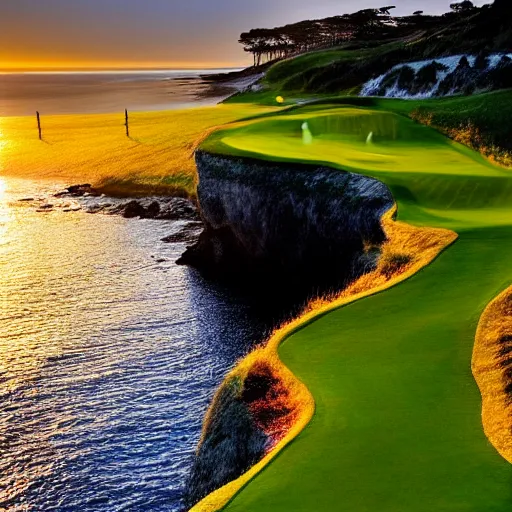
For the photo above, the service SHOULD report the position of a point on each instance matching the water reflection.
(108, 359)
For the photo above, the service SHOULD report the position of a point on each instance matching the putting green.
(397, 426)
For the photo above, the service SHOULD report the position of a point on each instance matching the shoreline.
(110, 91)
(157, 158)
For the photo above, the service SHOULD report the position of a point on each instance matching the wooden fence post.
(126, 122)
(39, 126)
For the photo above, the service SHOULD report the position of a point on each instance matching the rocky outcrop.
(445, 76)
(85, 189)
(89, 200)
(254, 409)
(286, 227)
(231, 444)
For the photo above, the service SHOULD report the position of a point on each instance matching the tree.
(462, 6)
(368, 21)
(386, 10)
(417, 13)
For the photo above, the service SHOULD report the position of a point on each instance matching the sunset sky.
(162, 33)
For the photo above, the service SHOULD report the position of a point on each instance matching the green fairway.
(397, 426)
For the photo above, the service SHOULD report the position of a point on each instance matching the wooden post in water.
(126, 122)
(39, 126)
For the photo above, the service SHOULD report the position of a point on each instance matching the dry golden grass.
(407, 250)
(469, 135)
(492, 352)
(158, 158)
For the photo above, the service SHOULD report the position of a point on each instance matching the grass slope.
(94, 148)
(398, 425)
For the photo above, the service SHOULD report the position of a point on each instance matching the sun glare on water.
(3, 143)
(3, 188)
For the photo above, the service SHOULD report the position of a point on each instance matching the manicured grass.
(397, 426)
(158, 158)
(481, 122)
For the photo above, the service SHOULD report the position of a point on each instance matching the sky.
(156, 33)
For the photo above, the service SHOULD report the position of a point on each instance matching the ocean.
(107, 92)
(109, 356)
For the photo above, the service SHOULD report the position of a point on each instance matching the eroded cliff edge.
(293, 229)
(284, 231)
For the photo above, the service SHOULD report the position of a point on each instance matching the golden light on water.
(3, 188)
(4, 210)
(2, 146)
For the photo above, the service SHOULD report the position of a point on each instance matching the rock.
(133, 209)
(463, 80)
(46, 206)
(151, 211)
(464, 63)
(179, 209)
(26, 200)
(406, 77)
(188, 234)
(482, 60)
(444, 77)
(501, 76)
(426, 77)
(85, 189)
(94, 208)
(231, 444)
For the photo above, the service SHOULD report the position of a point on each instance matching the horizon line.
(123, 67)
(5, 71)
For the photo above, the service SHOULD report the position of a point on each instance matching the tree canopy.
(269, 44)
(462, 6)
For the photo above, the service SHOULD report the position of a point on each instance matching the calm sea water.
(94, 92)
(108, 359)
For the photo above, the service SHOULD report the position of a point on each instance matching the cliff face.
(286, 228)
(231, 444)
(304, 229)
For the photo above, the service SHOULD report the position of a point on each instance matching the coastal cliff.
(293, 230)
